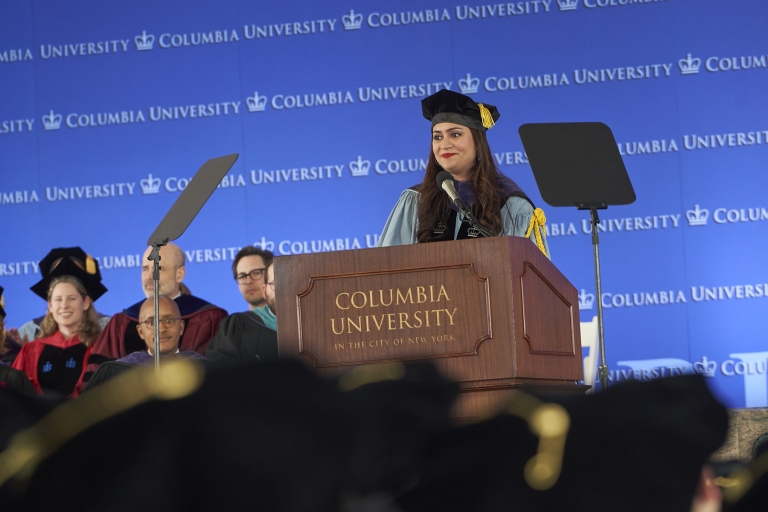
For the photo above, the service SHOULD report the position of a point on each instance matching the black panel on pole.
(577, 164)
(192, 199)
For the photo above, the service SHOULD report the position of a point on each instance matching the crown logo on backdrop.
(697, 216)
(150, 185)
(256, 103)
(144, 42)
(586, 300)
(469, 85)
(689, 65)
(359, 167)
(473, 232)
(705, 367)
(352, 21)
(51, 121)
(567, 5)
(440, 228)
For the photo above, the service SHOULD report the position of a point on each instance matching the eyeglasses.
(168, 321)
(254, 274)
(272, 284)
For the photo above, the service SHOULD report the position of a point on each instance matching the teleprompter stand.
(178, 219)
(579, 164)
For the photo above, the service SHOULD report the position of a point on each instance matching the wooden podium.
(493, 314)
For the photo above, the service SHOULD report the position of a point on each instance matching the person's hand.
(15, 336)
(708, 497)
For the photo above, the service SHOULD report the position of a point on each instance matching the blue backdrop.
(108, 108)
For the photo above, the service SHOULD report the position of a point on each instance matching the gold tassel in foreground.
(538, 221)
(486, 116)
(30, 447)
(550, 422)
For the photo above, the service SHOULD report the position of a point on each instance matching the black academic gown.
(15, 380)
(242, 337)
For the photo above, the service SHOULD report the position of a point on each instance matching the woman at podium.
(424, 212)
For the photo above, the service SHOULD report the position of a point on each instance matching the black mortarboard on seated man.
(70, 261)
(451, 107)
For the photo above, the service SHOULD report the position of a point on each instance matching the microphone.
(445, 182)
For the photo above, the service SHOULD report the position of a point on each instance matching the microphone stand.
(154, 256)
(472, 220)
(446, 183)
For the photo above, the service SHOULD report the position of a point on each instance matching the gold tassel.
(550, 422)
(90, 265)
(2, 302)
(538, 221)
(486, 116)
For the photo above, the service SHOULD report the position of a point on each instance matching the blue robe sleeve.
(516, 217)
(29, 330)
(401, 225)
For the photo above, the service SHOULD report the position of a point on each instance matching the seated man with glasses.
(248, 336)
(248, 270)
(171, 329)
(201, 318)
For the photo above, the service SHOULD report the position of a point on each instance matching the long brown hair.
(434, 206)
(89, 329)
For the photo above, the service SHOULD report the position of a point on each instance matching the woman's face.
(67, 306)
(454, 149)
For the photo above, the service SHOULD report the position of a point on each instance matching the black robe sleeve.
(107, 371)
(242, 337)
(15, 380)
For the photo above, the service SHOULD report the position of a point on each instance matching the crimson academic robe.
(120, 337)
(54, 364)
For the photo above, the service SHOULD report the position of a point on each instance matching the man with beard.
(249, 269)
(246, 336)
(120, 337)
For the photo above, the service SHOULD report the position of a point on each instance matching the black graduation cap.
(70, 261)
(451, 107)
(636, 446)
(275, 436)
(746, 489)
(2, 302)
(263, 436)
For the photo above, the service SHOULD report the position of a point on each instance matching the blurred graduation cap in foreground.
(275, 436)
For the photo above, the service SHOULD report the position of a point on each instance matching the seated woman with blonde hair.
(55, 361)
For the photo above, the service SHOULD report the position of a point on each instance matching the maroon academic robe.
(120, 337)
(54, 364)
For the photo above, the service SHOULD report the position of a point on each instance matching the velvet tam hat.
(70, 261)
(451, 107)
